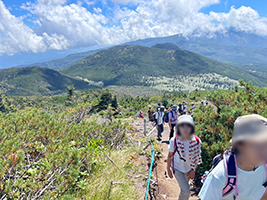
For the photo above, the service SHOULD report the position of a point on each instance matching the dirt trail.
(168, 188)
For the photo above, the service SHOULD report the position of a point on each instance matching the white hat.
(185, 119)
(250, 127)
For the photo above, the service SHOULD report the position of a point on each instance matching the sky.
(41, 25)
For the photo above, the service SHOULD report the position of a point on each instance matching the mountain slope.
(135, 65)
(234, 47)
(36, 81)
(65, 62)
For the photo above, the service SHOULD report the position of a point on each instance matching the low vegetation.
(190, 83)
(85, 145)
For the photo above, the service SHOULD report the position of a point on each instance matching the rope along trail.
(168, 188)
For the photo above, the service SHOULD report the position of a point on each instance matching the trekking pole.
(150, 171)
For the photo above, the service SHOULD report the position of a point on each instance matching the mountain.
(65, 62)
(159, 68)
(167, 46)
(36, 81)
(233, 47)
(47, 58)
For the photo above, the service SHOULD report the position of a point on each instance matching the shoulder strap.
(232, 175)
(265, 184)
(172, 114)
(197, 139)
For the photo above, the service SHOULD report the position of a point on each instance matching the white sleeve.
(171, 145)
(212, 189)
(157, 115)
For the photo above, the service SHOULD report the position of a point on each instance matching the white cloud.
(62, 25)
(244, 19)
(15, 36)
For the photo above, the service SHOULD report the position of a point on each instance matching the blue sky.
(41, 25)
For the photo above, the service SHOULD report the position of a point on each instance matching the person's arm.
(156, 117)
(170, 116)
(169, 160)
(264, 197)
(192, 173)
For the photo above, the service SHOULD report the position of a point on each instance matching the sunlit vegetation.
(190, 83)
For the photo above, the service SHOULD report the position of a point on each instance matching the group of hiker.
(239, 173)
(161, 116)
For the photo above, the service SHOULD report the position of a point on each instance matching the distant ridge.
(36, 81)
(167, 46)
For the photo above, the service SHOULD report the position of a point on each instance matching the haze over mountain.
(238, 48)
(138, 65)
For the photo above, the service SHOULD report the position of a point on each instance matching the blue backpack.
(231, 172)
(166, 117)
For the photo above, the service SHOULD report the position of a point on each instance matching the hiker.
(160, 122)
(184, 155)
(207, 103)
(170, 108)
(150, 114)
(192, 106)
(172, 119)
(158, 107)
(141, 115)
(184, 107)
(180, 109)
(241, 172)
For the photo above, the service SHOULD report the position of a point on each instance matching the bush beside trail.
(64, 147)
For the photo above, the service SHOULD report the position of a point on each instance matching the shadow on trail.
(166, 142)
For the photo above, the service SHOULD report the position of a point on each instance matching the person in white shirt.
(160, 121)
(249, 148)
(184, 154)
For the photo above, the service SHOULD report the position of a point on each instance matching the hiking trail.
(167, 188)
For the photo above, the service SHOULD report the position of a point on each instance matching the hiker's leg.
(162, 129)
(182, 180)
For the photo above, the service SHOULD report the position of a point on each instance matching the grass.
(100, 186)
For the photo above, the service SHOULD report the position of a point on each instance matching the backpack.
(166, 117)
(176, 150)
(154, 117)
(230, 164)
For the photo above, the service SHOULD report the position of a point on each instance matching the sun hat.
(185, 119)
(174, 106)
(250, 127)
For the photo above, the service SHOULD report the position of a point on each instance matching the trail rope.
(151, 167)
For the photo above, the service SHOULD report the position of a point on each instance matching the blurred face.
(254, 152)
(185, 130)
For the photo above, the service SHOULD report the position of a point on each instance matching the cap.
(174, 106)
(250, 127)
(150, 108)
(186, 119)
